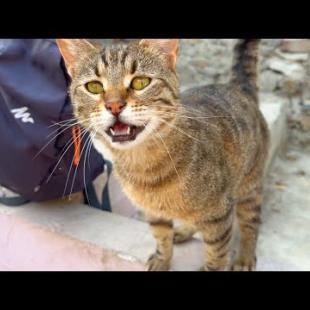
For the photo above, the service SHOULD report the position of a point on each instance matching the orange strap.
(76, 133)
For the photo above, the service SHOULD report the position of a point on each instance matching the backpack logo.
(23, 114)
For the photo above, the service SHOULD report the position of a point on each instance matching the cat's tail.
(244, 71)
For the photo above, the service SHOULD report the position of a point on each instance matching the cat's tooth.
(128, 130)
(112, 132)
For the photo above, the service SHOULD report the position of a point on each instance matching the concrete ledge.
(25, 246)
(62, 236)
(70, 237)
(39, 237)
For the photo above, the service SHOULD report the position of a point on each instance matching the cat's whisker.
(173, 163)
(62, 128)
(183, 115)
(184, 108)
(75, 120)
(61, 157)
(170, 114)
(53, 138)
(68, 176)
(200, 119)
(191, 110)
(93, 134)
(76, 168)
(58, 134)
(166, 148)
(178, 129)
(50, 141)
(151, 134)
(87, 155)
(207, 123)
(57, 130)
(62, 122)
(45, 146)
(69, 123)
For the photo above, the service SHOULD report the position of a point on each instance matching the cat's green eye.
(140, 83)
(94, 87)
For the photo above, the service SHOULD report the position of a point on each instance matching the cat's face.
(123, 94)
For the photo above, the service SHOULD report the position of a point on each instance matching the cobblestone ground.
(285, 233)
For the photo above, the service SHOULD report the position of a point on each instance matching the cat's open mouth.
(121, 132)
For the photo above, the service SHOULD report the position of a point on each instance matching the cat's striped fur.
(201, 157)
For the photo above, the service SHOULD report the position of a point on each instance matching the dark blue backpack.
(38, 158)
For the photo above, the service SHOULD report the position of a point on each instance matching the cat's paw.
(244, 264)
(156, 263)
(209, 269)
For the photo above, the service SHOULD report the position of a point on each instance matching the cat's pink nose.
(115, 106)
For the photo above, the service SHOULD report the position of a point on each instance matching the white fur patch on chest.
(102, 149)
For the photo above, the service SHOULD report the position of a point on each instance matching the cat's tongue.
(120, 129)
(121, 132)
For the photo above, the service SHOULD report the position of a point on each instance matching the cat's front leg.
(162, 231)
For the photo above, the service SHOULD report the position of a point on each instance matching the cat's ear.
(168, 47)
(72, 50)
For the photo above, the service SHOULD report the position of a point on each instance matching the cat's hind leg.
(248, 213)
(217, 234)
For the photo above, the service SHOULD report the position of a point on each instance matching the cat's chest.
(165, 199)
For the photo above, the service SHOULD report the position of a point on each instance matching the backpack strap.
(90, 195)
(14, 201)
(105, 194)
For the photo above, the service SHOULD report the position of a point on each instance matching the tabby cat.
(197, 156)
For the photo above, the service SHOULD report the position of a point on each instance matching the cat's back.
(229, 120)
(223, 101)
(218, 98)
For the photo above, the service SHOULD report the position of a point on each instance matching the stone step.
(274, 110)
(62, 236)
